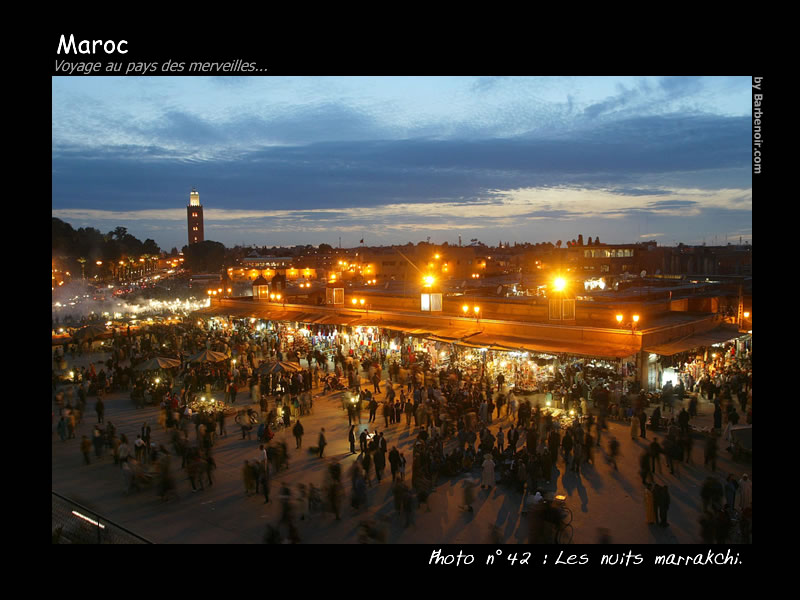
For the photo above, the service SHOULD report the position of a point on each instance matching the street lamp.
(475, 309)
(619, 319)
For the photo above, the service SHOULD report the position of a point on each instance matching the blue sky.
(305, 160)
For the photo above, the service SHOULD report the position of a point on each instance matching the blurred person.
(655, 456)
(744, 497)
(97, 440)
(711, 451)
(321, 443)
(100, 408)
(711, 493)
(469, 494)
(247, 477)
(613, 452)
(661, 503)
(86, 447)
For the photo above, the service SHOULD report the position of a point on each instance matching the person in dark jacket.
(362, 440)
(321, 442)
(351, 437)
(394, 462)
(297, 430)
(566, 446)
(379, 458)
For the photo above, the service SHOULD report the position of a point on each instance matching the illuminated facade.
(194, 218)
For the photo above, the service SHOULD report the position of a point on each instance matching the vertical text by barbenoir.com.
(757, 98)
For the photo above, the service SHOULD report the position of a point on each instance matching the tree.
(150, 247)
(325, 248)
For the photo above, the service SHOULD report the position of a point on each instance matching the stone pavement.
(599, 497)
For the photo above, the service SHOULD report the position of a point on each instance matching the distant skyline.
(281, 161)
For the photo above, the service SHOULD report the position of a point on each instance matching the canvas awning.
(451, 335)
(698, 340)
(224, 311)
(508, 343)
(336, 319)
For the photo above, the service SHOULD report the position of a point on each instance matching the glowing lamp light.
(428, 279)
(559, 284)
(361, 302)
(746, 315)
(619, 318)
(635, 318)
(477, 309)
(572, 412)
(354, 300)
(465, 308)
(548, 403)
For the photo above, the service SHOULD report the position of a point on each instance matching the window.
(604, 268)
(568, 310)
(555, 309)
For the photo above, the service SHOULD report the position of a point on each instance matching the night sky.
(304, 160)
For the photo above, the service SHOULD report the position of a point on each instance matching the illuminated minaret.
(194, 216)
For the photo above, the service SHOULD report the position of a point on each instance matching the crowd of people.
(461, 424)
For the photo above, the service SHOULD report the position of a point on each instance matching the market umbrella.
(88, 332)
(279, 367)
(158, 362)
(207, 356)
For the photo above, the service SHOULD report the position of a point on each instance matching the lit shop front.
(689, 359)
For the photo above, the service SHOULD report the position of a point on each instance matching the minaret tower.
(194, 217)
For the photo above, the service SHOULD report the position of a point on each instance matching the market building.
(640, 341)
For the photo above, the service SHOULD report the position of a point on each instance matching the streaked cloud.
(304, 158)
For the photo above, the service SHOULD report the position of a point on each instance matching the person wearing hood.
(487, 477)
(744, 497)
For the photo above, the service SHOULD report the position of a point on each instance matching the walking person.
(394, 463)
(321, 442)
(297, 430)
(661, 502)
(100, 409)
(86, 447)
(613, 452)
(655, 455)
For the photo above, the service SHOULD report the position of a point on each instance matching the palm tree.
(82, 260)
